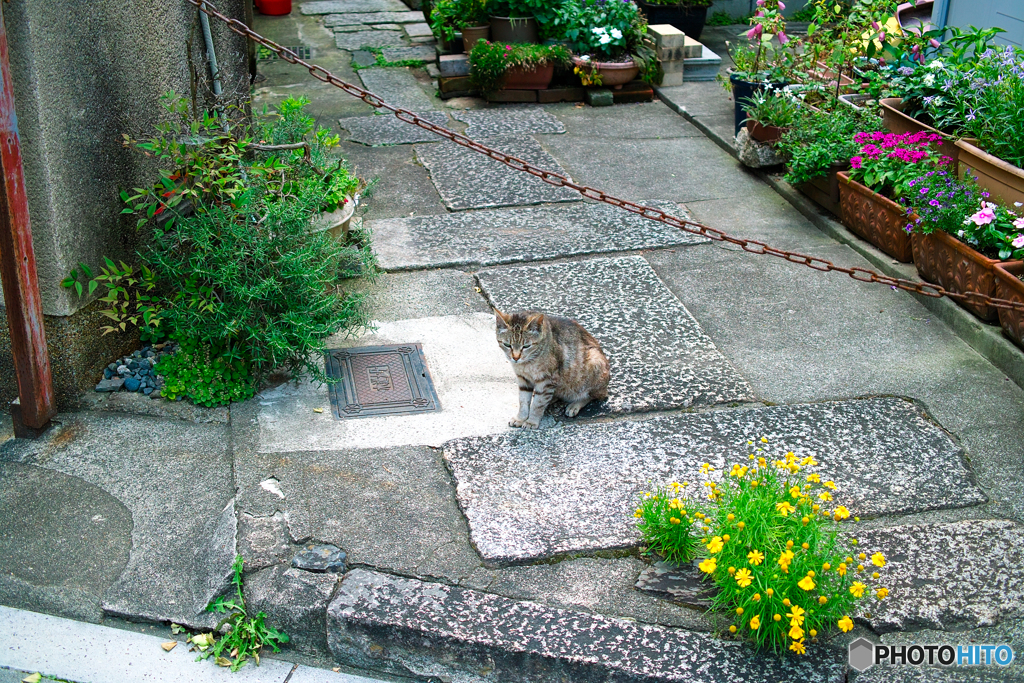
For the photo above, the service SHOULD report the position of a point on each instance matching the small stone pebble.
(320, 558)
(137, 371)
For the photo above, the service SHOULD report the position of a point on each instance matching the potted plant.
(770, 113)
(877, 179)
(817, 147)
(514, 66)
(522, 21)
(958, 236)
(689, 16)
(606, 37)
(1010, 285)
(468, 16)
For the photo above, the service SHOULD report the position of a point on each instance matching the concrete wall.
(84, 73)
(1004, 14)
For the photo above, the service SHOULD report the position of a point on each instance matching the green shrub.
(205, 376)
(490, 61)
(666, 523)
(818, 139)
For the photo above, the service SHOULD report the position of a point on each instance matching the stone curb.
(987, 340)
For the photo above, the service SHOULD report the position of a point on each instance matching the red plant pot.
(274, 7)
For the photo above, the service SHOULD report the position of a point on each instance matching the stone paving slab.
(496, 236)
(419, 30)
(509, 120)
(538, 494)
(470, 631)
(948, 576)
(423, 53)
(356, 40)
(469, 180)
(397, 86)
(386, 129)
(332, 20)
(352, 6)
(660, 357)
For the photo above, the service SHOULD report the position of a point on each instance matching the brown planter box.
(824, 191)
(1009, 287)
(879, 220)
(944, 260)
(897, 122)
(1004, 181)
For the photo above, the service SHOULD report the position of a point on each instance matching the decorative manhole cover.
(302, 51)
(380, 380)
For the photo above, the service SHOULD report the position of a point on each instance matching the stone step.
(496, 236)
(534, 495)
(332, 20)
(659, 355)
(351, 6)
(512, 120)
(466, 179)
(396, 86)
(357, 40)
(386, 129)
(409, 626)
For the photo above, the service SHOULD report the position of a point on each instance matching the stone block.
(333, 20)
(671, 54)
(637, 91)
(420, 30)
(422, 53)
(756, 154)
(666, 35)
(295, 601)
(364, 58)
(491, 123)
(703, 68)
(673, 67)
(561, 95)
(386, 129)
(600, 97)
(386, 27)
(453, 65)
(363, 39)
(453, 83)
(692, 48)
(672, 79)
(513, 96)
(397, 86)
(351, 6)
(457, 94)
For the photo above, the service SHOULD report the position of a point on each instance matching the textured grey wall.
(85, 73)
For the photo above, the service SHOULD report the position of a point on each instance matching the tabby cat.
(552, 357)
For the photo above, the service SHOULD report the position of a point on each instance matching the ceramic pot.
(764, 133)
(824, 190)
(897, 122)
(741, 90)
(875, 218)
(538, 79)
(613, 74)
(337, 222)
(944, 260)
(1009, 286)
(689, 20)
(513, 30)
(472, 34)
(1004, 181)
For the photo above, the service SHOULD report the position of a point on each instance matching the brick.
(513, 96)
(635, 91)
(453, 65)
(447, 85)
(561, 95)
(600, 97)
(692, 48)
(666, 35)
(672, 79)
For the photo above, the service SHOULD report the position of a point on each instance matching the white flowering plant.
(605, 30)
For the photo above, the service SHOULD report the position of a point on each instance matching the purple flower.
(934, 202)
(985, 195)
(906, 71)
(924, 190)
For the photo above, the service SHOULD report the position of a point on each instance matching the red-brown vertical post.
(18, 267)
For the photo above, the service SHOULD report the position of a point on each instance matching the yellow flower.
(725, 537)
(740, 525)
(862, 556)
(805, 545)
(757, 597)
(755, 622)
(881, 593)
(878, 559)
(796, 614)
(709, 565)
(795, 492)
(875, 575)
(845, 624)
(813, 633)
(730, 516)
(764, 440)
(761, 462)
(732, 570)
(743, 578)
(807, 583)
(674, 520)
(786, 602)
(770, 592)
(841, 513)
(796, 633)
(808, 461)
(785, 508)
(830, 485)
(785, 559)
(755, 557)
(825, 567)
(638, 514)
(797, 646)
(857, 589)
(825, 495)
(732, 629)
(716, 545)
(739, 610)
(841, 569)
(753, 484)
(777, 617)
(816, 478)
(822, 600)
(789, 544)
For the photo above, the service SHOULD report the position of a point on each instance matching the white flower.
(616, 33)
(585, 58)
(960, 233)
(598, 31)
(936, 64)
(604, 39)
(929, 80)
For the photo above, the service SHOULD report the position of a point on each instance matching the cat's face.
(519, 335)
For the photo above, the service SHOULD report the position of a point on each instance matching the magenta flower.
(1019, 224)
(924, 190)
(984, 217)
(781, 6)
(754, 32)
(856, 162)
(934, 43)
(783, 38)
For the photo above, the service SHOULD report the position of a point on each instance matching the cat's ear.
(501, 318)
(535, 322)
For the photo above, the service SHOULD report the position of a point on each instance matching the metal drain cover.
(303, 51)
(380, 380)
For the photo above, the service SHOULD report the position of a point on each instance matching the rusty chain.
(558, 180)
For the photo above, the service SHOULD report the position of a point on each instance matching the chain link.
(558, 180)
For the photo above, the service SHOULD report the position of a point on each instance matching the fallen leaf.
(234, 653)
(32, 678)
(318, 410)
(223, 661)
(336, 669)
(177, 628)
(169, 645)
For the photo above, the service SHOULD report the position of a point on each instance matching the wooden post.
(35, 407)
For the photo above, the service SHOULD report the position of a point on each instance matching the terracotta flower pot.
(824, 190)
(764, 133)
(514, 30)
(518, 78)
(877, 219)
(1004, 181)
(472, 34)
(1009, 286)
(897, 122)
(613, 74)
(944, 260)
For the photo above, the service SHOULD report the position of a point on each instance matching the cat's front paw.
(516, 422)
(527, 424)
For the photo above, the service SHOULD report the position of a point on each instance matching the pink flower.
(1019, 224)
(1019, 242)
(781, 6)
(783, 38)
(934, 43)
(875, 25)
(508, 47)
(760, 3)
(984, 217)
(856, 162)
(754, 32)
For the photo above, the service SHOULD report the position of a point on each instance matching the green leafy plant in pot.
(468, 16)
(516, 66)
(607, 37)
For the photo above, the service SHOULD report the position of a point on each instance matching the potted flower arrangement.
(770, 113)
(471, 17)
(689, 16)
(958, 235)
(1010, 285)
(606, 37)
(514, 66)
(877, 179)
